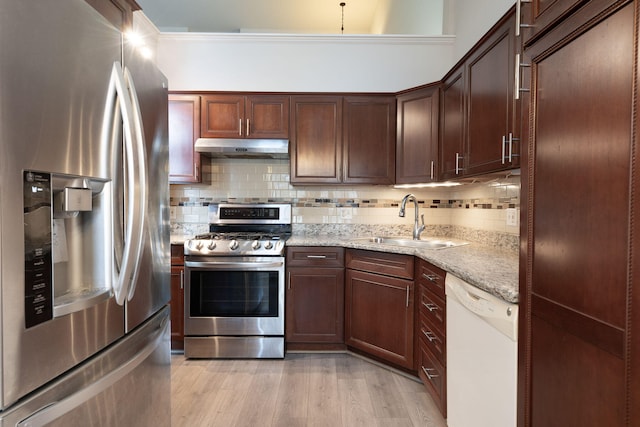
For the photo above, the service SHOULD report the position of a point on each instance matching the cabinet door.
(417, 136)
(315, 305)
(184, 129)
(267, 117)
(369, 136)
(177, 307)
(452, 124)
(379, 316)
(491, 102)
(541, 15)
(316, 139)
(579, 230)
(222, 116)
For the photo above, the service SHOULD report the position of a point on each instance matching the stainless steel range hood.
(243, 148)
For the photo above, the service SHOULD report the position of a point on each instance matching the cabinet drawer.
(433, 308)
(395, 265)
(431, 277)
(433, 339)
(177, 254)
(315, 256)
(433, 375)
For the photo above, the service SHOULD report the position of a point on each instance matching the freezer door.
(127, 385)
(152, 288)
(53, 99)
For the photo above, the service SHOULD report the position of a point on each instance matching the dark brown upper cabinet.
(316, 139)
(480, 107)
(417, 135)
(245, 116)
(539, 16)
(493, 125)
(368, 130)
(184, 129)
(336, 139)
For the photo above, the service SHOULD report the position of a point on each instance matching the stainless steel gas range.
(234, 283)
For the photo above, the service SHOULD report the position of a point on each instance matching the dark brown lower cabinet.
(379, 298)
(314, 317)
(431, 328)
(177, 297)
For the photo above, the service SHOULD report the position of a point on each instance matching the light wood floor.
(315, 389)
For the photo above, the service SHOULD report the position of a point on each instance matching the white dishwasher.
(482, 356)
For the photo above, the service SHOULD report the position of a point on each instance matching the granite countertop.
(491, 270)
(486, 268)
(179, 239)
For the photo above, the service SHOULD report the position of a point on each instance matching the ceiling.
(263, 16)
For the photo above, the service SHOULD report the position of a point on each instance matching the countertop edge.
(488, 269)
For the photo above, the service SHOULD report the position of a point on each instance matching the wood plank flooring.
(304, 389)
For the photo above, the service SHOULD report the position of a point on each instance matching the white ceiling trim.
(308, 38)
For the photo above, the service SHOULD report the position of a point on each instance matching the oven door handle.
(234, 264)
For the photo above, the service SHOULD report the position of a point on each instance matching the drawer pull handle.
(431, 307)
(430, 277)
(430, 336)
(429, 375)
(317, 256)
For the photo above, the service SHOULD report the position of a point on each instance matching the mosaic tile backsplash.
(474, 212)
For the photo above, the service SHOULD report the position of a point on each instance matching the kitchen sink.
(408, 242)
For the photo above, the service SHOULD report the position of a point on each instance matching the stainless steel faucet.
(417, 228)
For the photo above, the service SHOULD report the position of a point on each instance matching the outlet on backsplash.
(512, 217)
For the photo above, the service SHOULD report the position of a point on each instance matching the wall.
(326, 63)
(423, 17)
(469, 20)
(301, 63)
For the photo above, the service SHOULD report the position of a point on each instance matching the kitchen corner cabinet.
(579, 349)
(336, 139)
(177, 297)
(314, 297)
(245, 116)
(431, 322)
(417, 135)
(379, 305)
(480, 115)
(184, 129)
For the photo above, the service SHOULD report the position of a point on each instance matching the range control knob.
(255, 244)
(233, 245)
(198, 245)
(211, 246)
(268, 245)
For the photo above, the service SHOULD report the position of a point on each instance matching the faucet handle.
(422, 217)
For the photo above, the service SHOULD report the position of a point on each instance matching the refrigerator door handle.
(125, 275)
(140, 209)
(57, 409)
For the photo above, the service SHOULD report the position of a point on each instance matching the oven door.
(234, 296)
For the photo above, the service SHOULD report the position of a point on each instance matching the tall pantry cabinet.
(579, 360)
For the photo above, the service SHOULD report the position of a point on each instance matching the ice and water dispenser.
(68, 241)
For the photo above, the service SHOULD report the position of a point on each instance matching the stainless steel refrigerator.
(84, 222)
